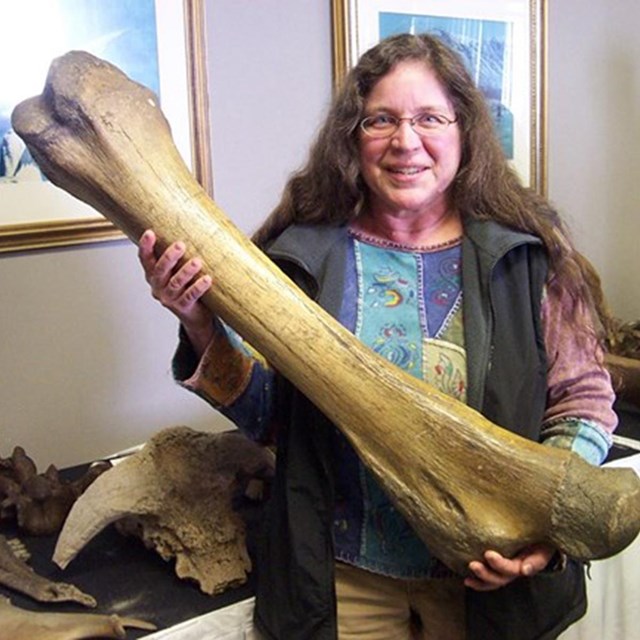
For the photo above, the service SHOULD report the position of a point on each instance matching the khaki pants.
(375, 607)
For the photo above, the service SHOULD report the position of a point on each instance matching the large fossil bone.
(465, 484)
(177, 494)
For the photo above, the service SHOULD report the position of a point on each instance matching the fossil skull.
(176, 493)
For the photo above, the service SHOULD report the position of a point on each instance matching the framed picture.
(503, 43)
(157, 43)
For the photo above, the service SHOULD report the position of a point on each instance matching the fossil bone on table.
(464, 484)
(16, 574)
(177, 494)
(39, 502)
(21, 624)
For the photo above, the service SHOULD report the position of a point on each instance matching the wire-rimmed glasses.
(384, 125)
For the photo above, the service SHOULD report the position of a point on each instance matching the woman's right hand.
(178, 288)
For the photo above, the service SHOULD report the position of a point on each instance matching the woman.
(408, 225)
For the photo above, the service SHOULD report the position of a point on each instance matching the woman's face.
(409, 174)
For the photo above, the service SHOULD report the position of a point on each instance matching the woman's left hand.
(497, 571)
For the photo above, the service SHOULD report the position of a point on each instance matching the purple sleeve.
(579, 413)
(579, 384)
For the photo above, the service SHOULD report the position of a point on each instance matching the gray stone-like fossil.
(176, 493)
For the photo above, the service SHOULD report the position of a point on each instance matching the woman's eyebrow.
(443, 109)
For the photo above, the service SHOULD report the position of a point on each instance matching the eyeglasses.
(384, 125)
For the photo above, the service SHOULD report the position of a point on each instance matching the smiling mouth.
(407, 171)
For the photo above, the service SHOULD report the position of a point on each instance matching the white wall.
(85, 356)
(594, 137)
(270, 64)
(85, 352)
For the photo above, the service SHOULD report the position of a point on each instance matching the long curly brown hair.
(330, 189)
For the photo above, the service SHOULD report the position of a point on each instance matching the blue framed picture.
(155, 42)
(121, 31)
(502, 42)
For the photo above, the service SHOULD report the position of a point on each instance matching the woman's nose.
(405, 137)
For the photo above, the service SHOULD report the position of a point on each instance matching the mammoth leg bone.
(464, 484)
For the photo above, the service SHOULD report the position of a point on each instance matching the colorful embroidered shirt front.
(406, 304)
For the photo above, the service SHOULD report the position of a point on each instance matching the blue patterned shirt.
(405, 304)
